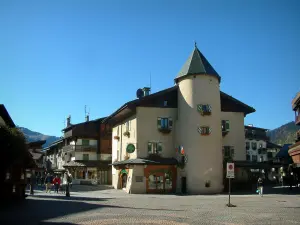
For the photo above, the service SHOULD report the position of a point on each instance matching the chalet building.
(294, 150)
(175, 140)
(35, 148)
(258, 145)
(85, 150)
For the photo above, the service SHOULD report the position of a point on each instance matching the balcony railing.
(80, 148)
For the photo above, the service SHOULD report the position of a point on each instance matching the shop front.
(160, 178)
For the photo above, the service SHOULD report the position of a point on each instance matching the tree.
(13, 148)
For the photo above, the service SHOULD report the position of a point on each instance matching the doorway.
(183, 185)
(124, 180)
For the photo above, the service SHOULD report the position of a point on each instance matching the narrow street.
(109, 206)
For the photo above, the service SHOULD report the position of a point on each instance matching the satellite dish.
(139, 93)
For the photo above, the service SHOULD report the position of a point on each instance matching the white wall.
(236, 135)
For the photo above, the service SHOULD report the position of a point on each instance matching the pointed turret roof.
(197, 64)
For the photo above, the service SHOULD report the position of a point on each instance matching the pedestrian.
(56, 182)
(32, 182)
(48, 181)
(260, 186)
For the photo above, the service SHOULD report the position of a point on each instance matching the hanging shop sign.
(130, 148)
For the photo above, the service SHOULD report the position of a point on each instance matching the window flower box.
(116, 137)
(165, 130)
(126, 133)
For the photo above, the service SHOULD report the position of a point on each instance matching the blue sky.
(58, 56)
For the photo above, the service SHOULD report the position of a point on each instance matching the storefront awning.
(144, 161)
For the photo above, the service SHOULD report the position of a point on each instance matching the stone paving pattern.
(109, 206)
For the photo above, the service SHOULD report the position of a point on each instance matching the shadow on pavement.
(71, 198)
(278, 190)
(87, 188)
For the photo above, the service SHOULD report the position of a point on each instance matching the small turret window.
(204, 109)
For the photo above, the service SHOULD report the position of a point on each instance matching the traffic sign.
(230, 170)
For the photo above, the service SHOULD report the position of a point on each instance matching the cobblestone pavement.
(116, 207)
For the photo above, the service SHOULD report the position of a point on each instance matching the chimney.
(146, 91)
(69, 121)
(87, 118)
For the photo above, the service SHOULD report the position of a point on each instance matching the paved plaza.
(91, 205)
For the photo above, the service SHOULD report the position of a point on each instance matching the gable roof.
(6, 117)
(86, 122)
(197, 64)
(255, 128)
(129, 107)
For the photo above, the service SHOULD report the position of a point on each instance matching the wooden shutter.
(159, 147)
(227, 125)
(170, 123)
(159, 123)
(149, 147)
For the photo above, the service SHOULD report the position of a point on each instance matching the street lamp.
(67, 177)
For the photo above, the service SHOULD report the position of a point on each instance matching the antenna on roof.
(150, 83)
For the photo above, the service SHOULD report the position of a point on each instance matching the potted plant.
(126, 157)
(116, 137)
(126, 133)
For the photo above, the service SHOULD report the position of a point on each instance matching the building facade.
(176, 140)
(258, 145)
(294, 150)
(85, 150)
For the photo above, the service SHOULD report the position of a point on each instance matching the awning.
(144, 161)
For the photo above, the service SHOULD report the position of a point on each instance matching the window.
(128, 125)
(228, 151)
(204, 130)
(164, 123)
(204, 109)
(254, 158)
(248, 157)
(254, 145)
(154, 147)
(260, 145)
(247, 145)
(165, 103)
(85, 156)
(85, 142)
(225, 125)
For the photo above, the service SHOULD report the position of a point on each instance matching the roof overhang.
(6, 117)
(296, 101)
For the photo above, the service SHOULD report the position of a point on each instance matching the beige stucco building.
(175, 140)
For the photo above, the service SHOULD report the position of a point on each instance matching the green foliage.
(286, 134)
(13, 145)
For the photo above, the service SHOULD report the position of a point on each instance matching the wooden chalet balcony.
(80, 148)
(297, 119)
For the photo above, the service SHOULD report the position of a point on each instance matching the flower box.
(116, 137)
(126, 133)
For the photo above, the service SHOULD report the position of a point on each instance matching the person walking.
(260, 186)
(48, 181)
(32, 182)
(56, 182)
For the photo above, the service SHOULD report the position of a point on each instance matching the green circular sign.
(130, 148)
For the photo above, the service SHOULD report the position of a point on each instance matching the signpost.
(229, 175)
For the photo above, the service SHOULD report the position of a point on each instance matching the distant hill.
(35, 136)
(286, 134)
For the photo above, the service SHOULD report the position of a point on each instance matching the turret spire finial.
(195, 44)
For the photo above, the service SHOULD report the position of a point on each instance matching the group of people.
(57, 182)
(50, 181)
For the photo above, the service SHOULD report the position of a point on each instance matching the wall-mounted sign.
(130, 148)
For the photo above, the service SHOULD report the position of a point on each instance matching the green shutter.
(170, 123)
(149, 147)
(159, 123)
(159, 147)
(227, 125)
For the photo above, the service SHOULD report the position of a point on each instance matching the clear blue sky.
(57, 56)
